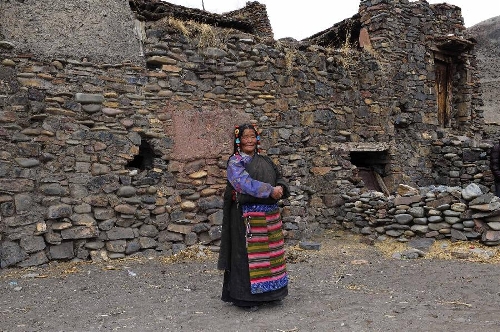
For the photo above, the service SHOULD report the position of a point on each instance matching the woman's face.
(248, 141)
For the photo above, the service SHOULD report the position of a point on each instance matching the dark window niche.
(144, 159)
(371, 167)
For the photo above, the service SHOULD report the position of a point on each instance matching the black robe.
(233, 257)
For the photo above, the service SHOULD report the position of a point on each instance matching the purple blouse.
(241, 180)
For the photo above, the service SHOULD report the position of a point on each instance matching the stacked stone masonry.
(102, 160)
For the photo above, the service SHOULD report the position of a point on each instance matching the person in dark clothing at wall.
(252, 252)
(495, 166)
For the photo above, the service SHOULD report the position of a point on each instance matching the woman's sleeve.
(241, 180)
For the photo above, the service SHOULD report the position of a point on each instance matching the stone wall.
(103, 159)
(405, 36)
(457, 213)
(83, 29)
(459, 206)
(256, 13)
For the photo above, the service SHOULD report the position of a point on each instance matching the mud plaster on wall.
(204, 133)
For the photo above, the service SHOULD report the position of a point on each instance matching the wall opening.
(452, 82)
(372, 167)
(443, 67)
(144, 159)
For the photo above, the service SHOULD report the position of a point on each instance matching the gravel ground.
(348, 285)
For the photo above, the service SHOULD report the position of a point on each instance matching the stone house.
(116, 122)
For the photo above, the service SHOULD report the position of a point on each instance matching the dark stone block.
(309, 245)
(10, 254)
(63, 251)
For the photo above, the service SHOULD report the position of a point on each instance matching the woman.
(252, 246)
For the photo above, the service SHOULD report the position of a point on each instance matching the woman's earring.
(237, 139)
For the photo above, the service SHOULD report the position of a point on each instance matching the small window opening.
(144, 159)
(153, 66)
(371, 168)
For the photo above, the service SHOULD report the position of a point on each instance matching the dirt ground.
(348, 285)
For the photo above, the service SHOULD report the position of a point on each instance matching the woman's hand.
(277, 192)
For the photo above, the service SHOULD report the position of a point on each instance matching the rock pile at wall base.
(438, 212)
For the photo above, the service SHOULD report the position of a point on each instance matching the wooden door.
(443, 90)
